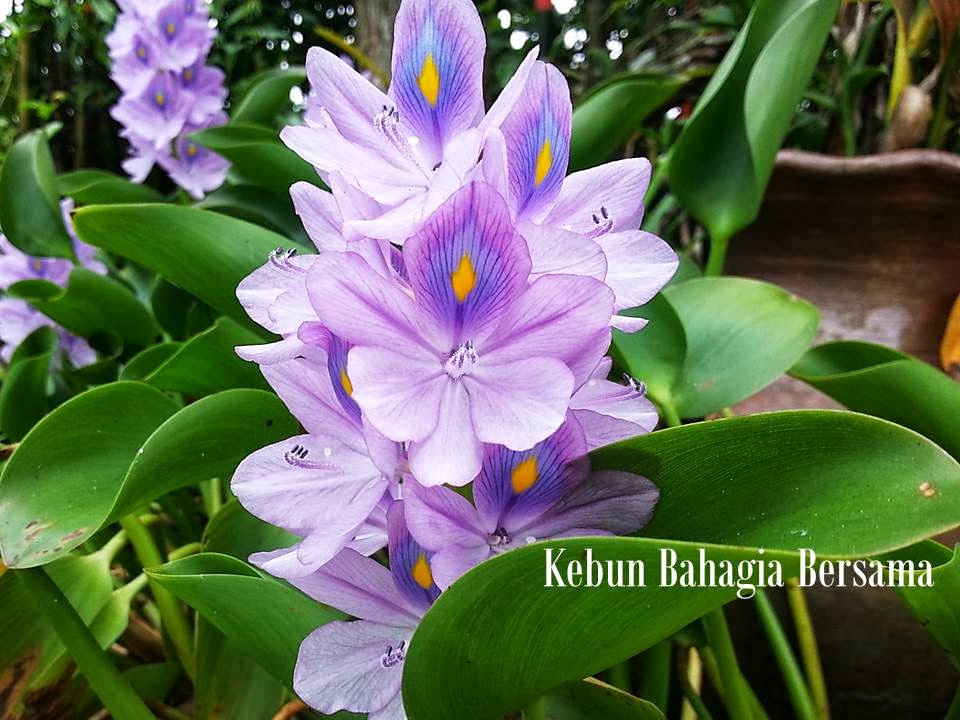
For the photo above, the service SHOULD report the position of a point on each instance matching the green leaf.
(465, 653)
(258, 157)
(268, 96)
(714, 341)
(91, 305)
(591, 699)
(146, 361)
(60, 484)
(842, 484)
(23, 395)
(266, 618)
(207, 439)
(837, 482)
(29, 204)
(613, 111)
(721, 163)
(93, 187)
(884, 382)
(208, 363)
(938, 607)
(250, 203)
(202, 252)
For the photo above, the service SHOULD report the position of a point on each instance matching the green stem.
(113, 546)
(23, 80)
(655, 676)
(669, 412)
(789, 668)
(693, 696)
(718, 255)
(734, 686)
(659, 175)
(619, 676)
(182, 552)
(172, 620)
(537, 710)
(212, 496)
(901, 76)
(105, 680)
(809, 653)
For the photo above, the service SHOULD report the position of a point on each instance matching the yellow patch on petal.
(463, 279)
(38, 265)
(544, 163)
(141, 52)
(421, 572)
(345, 382)
(171, 28)
(429, 80)
(161, 99)
(524, 475)
(188, 74)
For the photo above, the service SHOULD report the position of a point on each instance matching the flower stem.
(718, 255)
(789, 668)
(691, 681)
(655, 678)
(734, 686)
(809, 653)
(669, 412)
(953, 713)
(185, 550)
(172, 619)
(106, 681)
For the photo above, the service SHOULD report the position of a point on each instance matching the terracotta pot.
(873, 242)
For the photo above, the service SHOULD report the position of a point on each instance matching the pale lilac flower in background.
(478, 354)
(159, 53)
(358, 665)
(18, 319)
(520, 497)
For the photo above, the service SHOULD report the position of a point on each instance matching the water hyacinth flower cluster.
(452, 330)
(159, 53)
(18, 318)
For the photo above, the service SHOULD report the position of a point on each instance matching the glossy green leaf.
(91, 305)
(268, 96)
(207, 439)
(938, 607)
(712, 342)
(204, 253)
(58, 487)
(146, 361)
(250, 203)
(208, 363)
(94, 187)
(838, 482)
(258, 157)
(845, 485)
(591, 699)
(613, 111)
(266, 618)
(23, 395)
(465, 653)
(887, 383)
(29, 203)
(721, 163)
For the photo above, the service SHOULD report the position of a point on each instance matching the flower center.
(499, 540)
(461, 360)
(603, 222)
(394, 655)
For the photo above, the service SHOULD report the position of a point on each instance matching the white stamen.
(603, 222)
(461, 360)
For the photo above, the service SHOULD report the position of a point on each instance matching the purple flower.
(586, 223)
(409, 149)
(472, 352)
(609, 412)
(358, 665)
(159, 52)
(545, 492)
(327, 485)
(18, 319)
